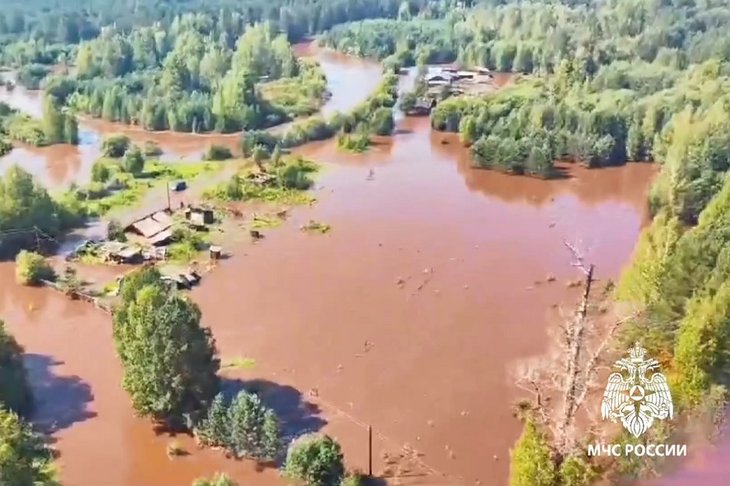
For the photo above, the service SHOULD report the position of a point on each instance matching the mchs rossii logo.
(637, 395)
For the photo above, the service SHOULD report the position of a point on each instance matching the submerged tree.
(24, 458)
(561, 381)
(170, 361)
(316, 460)
(14, 391)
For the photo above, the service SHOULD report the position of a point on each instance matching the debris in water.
(551, 225)
(400, 281)
(314, 392)
(429, 423)
(339, 367)
(495, 457)
(371, 175)
(466, 287)
(550, 278)
(464, 413)
(574, 283)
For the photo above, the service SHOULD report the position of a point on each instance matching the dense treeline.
(572, 116)
(617, 71)
(526, 37)
(28, 214)
(24, 459)
(45, 31)
(183, 79)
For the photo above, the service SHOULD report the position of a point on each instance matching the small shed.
(200, 216)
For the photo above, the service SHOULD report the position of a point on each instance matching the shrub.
(115, 231)
(100, 172)
(25, 459)
(5, 146)
(296, 175)
(218, 479)
(152, 149)
(95, 190)
(382, 121)
(315, 460)
(31, 268)
(532, 463)
(133, 161)
(218, 152)
(115, 146)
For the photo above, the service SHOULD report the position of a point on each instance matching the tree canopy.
(170, 361)
(24, 458)
(14, 391)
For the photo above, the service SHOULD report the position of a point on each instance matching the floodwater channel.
(408, 315)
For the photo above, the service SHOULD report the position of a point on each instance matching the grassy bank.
(285, 182)
(114, 188)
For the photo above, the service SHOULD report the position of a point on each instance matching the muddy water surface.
(408, 315)
(431, 284)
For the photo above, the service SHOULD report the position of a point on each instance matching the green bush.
(382, 121)
(115, 146)
(31, 268)
(218, 152)
(353, 142)
(295, 175)
(316, 460)
(133, 162)
(25, 459)
(100, 172)
(219, 479)
(5, 146)
(152, 149)
(531, 460)
(115, 231)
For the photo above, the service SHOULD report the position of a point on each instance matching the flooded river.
(407, 316)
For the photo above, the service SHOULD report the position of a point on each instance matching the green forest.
(180, 65)
(598, 84)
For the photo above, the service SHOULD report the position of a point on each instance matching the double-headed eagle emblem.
(632, 397)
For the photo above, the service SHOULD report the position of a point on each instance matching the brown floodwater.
(407, 315)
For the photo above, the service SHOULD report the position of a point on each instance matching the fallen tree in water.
(560, 384)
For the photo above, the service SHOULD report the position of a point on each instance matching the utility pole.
(370, 450)
(167, 184)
